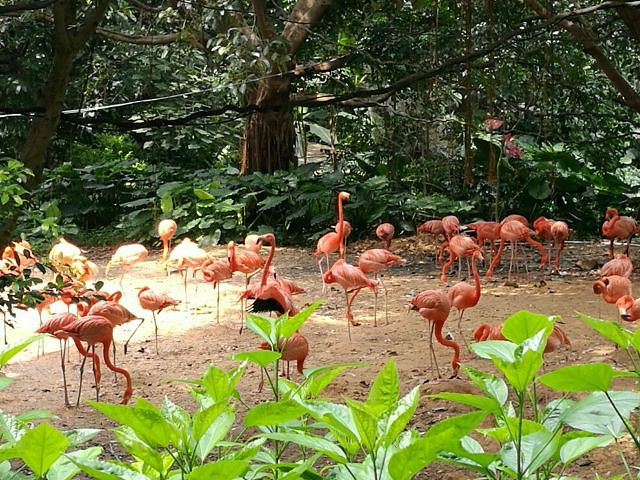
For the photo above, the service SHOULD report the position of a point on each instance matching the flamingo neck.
(476, 277)
(340, 227)
(265, 269)
(483, 332)
(105, 354)
(455, 362)
(232, 257)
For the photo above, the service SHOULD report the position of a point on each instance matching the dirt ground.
(190, 339)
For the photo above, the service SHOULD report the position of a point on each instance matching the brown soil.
(190, 339)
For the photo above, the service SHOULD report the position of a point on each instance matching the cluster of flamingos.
(99, 312)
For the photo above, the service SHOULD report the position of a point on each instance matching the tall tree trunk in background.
(69, 36)
(468, 111)
(268, 141)
(491, 162)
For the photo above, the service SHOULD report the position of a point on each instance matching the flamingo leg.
(324, 285)
(511, 261)
(155, 323)
(64, 374)
(115, 377)
(346, 294)
(84, 359)
(131, 336)
(217, 287)
(611, 249)
(186, 300)
(434, 360)
(95, 372)
(375, 304)
(41, 341)
(386, 306)
(626, 250)
(460, 330)
(496, 259)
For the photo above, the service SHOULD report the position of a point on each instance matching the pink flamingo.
(150, 300)
(374, 261)
(556, 339)
(620, 265)
(93, 330)
(486, 231)
(385, 233)
(512, 231)
(628, 308)
(463, 296)
(612, 288)
(295, 348)
(434, 306)
(216, 271)
(127, 256)
(451, 226)
(332, 241)
(459, 246)
(166, 229)
(515, 217)
(560, 231)
(616, 226)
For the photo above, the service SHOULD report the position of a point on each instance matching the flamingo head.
(142, 289)
(624, 304)
(269, 238)
(328, 277)
(610, 213)
(344, 196)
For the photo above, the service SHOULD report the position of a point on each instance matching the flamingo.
(296, 348)
(434, 306)
(20, 253)
(118, 315)
(247, 262)
(560, 231)
(451, 226)
(555, 340)
(385, 233)
(251, 242)
(215, 271)
(512, 231)
(288, 285)
(127, 256)
(63, 253)
(459, 246)
(269, 296)
(332, 241)
(166, 229)
(463, 296)
(515, 217)
(485, 231)
(93, 330)
(374, 261)
(616, 226)
(542, 227)
(150, 300)
(83, 269)
(620, 265)
(434, 229)
(351, 279)
(52, 325)
(187, 254)
(612, 288)
(628, 308)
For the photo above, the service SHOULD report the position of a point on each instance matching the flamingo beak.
(624, 315)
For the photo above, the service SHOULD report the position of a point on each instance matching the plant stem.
(626, 425)
(624, 460)
(519, 439)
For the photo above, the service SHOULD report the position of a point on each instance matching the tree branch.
(144, 6)
(92, 20)
(7, 9)
(322, 67)
(164, 39)
(631, 18)
(305, 14)
(591, 47)
(261, 19)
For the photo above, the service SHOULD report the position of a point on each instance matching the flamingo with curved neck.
(455, 361)
(463, 296)
(333, 241)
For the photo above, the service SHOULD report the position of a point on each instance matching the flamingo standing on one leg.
(150, 300)
(374, 261)
(612, 288)
(385, 232)
(434, 306)
(560, 231)
(215, 271)
(616, 226)
(512, 231)
(127, 256)
(463, 296)
(295, 348)
(166, 229)
(269, 296)
(332, 241)
(93, 330)
(351, 279)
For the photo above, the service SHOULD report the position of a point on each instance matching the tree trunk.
(468, 111)
(43, 128)
(268, 140)
(492, 165)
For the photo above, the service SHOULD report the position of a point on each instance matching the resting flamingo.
(332, 241)
(616, 226)
(612, 288)
(628, 308)
(166, 229)
(463, 296)
(95, 329)
(560, 231)
(620, 265)
(555, 340)
(434, 306)
(374, 261)
(385, 233)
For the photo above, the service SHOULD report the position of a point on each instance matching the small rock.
(511, 283)
(585, 463)
(393, 353)
(587, 264)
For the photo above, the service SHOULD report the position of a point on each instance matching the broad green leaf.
(102, 470)
(366, 423)
(145, 420)
(508, 429)
(202, 194)
(64, 469)
(10, 428)
(491, 349)
(317, 379)
(339, 421)
(292, 324)
(218, 384)
(166, 203)
(386, 386)
(536, 449)
(608, 329)
(478, 401)
(401, 415)
(524, 324)
(576, 448)
(204, 417)
(595, 414)
(457, 426)
(220, 470)
(5, 382)
(10, 352)
(138, 449)
(264, 358)
(580, 378)
(40, 447)
(490, 384)
(263, 327)
(326, 447)
(214, 434)
(522, 370)
(273, 413)
(79, 436)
